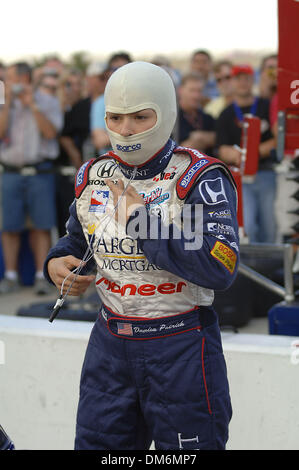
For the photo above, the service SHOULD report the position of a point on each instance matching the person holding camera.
(29, 123)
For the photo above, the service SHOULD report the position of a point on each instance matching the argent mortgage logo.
(2, 94)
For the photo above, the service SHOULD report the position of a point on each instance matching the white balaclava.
(134, 87)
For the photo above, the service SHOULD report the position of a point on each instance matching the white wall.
(40, 373)
(39, 380)
(264, 381)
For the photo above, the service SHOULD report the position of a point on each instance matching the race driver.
(159, 223)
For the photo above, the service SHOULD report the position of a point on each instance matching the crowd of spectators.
(53, 120)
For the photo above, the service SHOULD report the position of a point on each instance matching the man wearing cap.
(154, 367)
(259, 196)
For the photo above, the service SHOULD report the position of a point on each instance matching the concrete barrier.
(40, 367)
(39, 381)
(263, 373)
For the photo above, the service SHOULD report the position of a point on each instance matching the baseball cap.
(96, 68)
(238, 69)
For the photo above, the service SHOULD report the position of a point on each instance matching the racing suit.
(154, 367)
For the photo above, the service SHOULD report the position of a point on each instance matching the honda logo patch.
(107, 169)
(212, 191)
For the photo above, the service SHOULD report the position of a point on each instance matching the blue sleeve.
(73, 243)
(212, 260)
(97, 114)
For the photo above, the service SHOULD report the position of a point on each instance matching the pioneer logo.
(144, 289)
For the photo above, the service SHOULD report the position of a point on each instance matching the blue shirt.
(210, 89)
(97, 114)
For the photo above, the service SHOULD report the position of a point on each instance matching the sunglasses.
(50, 87)
(222, 79)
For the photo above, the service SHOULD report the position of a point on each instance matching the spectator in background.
(100, 73)
(268, 77)
(49, 82)
(268, 87)
(29, 124)
(195, 128)
(2, 79)
(202, 63)
(76, 140)
(259, 196)
(223, 77)
(163, 62)
(52, 67)
(70, 89)
(118, 59)
(55, 64)
(99, 134)
(70, 93)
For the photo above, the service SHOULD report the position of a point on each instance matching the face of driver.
(131, 124)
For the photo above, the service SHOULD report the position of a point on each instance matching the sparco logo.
(80, 174)
(107, 169)
(187, 178)
(128, 148)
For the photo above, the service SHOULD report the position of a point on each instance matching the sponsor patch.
(91, 228)
(191, 172)
(154, 197)
(212, 191)
(166, 175)
(81, 179)
(99, 201)
(225, 255)
(128, 148)
(225, 214)
(80, 174)
(143, 290)
(107, 169)
(220, 228)
(140, 172)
